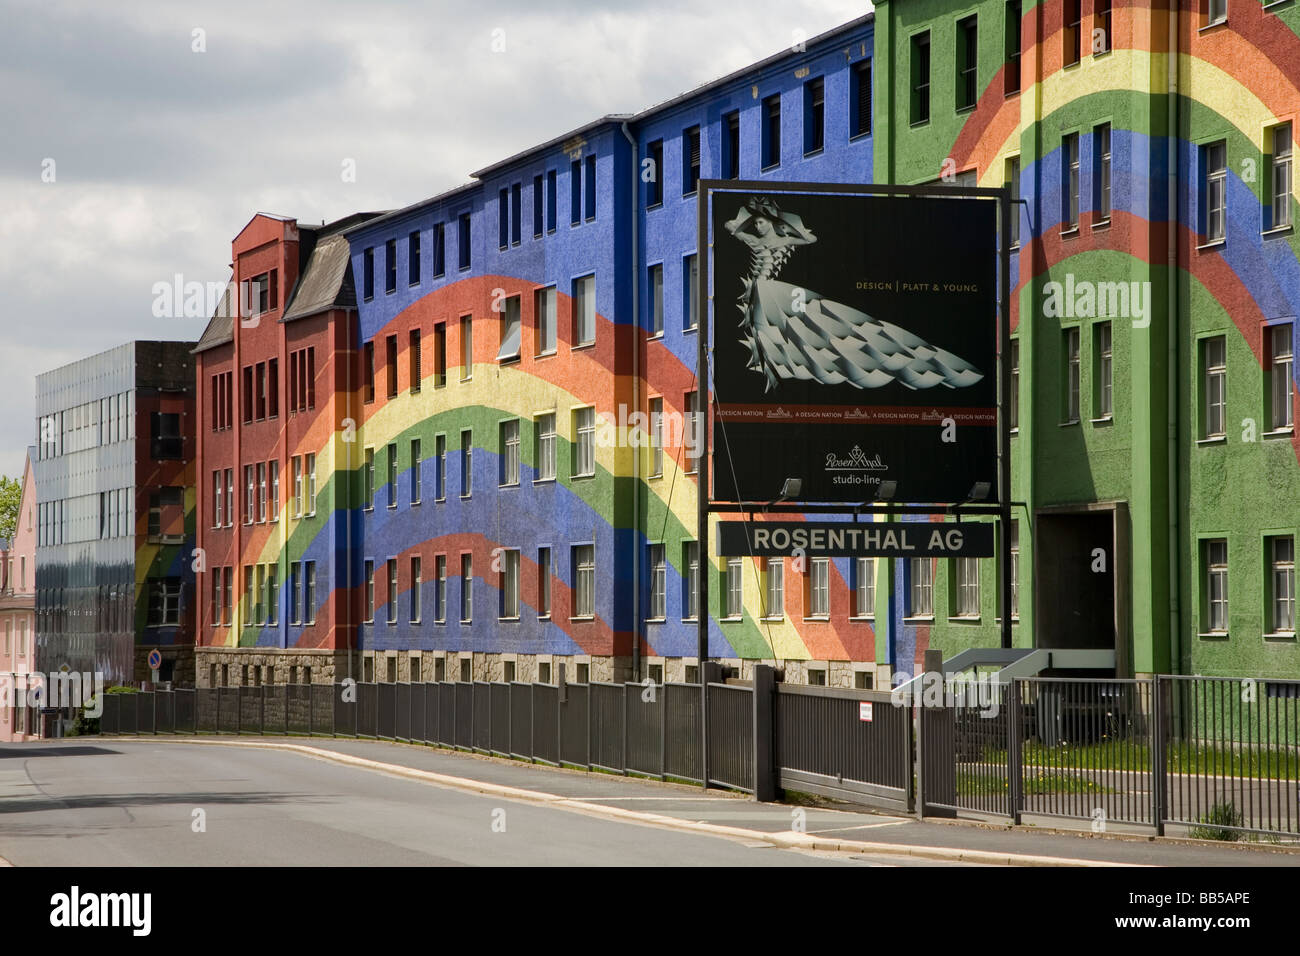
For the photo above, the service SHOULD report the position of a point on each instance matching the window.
(545, 430)
(819, 588)
(860, 100)
(272, 595)
(392, 591)
(295, 464)
(1104, 372)
(295, 605)
(656, 437)
(864, 587)
(584, 577)
(439, 250)
(656, 292)
(413, 358)
(1215, 558)
(654, 195)
(920, 592)
(1214, 376)
(772, 132)
(462, 240)
(440, 589)
(230, 497)
(694, 434)
(1280, 189)
(1101, 40)
(391, 457)
(416, 467)
(440, 468)
(516, 211)
(310, 467)
(690, 160)
(390, 364)
(368, 371)
(543, 583)
(249, 592)
(1070, 181)
(691, 286)
(1013, 413)
(466, 347)
(538, 207)
(1011, 49)
(544, 308)
(390, 266)
(413, 258)
(218, 498)
(166, 443)
(1015, 570)
(228, 597)
(967, 63)
(511, 329)
(370, 590)
(584, 448)
(216, 603)
(1214, 186)
(466, 463)
(1101, 171)
(368, 274)
(575, 192)
(503, 219)
(731, 145)
(589, 187)
(774, 582)
(814, 116)
(691, 597)
(920, 107)
(309, 591)
(250, 494)
(735, 593)
(1282, 584)
(164, 602)
(1281, 387)
(259, 380)
(1013, 181)
(658, 583)
(1071, 33)
(816, 677)
(1070, 398)
(966, 581)
(273, 388)
(466, 588)
(368, 479)
(552, 201)
(584, 310)
(1216, 11)
(509, 437)
(261, 492)
(509, 584)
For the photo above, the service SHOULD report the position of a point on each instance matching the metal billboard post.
(702, 406)
(1004, 407)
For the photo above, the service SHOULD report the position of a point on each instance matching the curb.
(783, 839)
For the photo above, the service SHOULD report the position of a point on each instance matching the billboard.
(854, 346)
(878, 539)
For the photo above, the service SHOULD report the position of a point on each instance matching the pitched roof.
(221, 327)
(326, 282)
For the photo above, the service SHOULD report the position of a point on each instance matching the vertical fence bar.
(1015, 773)
(1159, 780)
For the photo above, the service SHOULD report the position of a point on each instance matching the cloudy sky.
(162, 142)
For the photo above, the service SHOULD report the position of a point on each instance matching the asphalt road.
(129, 803)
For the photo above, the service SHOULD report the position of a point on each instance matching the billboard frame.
(1002, 509)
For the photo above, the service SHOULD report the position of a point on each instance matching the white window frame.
(509, 435)
(819, 588)
(774, 584)
(1215, 555)
(864, 588)
(584, 429)
(658, 563)
(1281, 383)
(584, 581)
(1215, 386)
(735, 590)
(920, 588)
(1282, 584)
(584, 311)
(510, 584)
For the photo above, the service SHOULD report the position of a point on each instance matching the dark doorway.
(1075, 559)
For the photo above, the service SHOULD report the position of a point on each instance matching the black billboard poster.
(878, 539)
(855, 346)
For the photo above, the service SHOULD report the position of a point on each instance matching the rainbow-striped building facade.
(451, 485)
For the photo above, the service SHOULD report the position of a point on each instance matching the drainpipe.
(636, 407)
(1175, 626)
(347, 524)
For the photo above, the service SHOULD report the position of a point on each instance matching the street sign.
(879, 539)
(864, 710)
(155, 659)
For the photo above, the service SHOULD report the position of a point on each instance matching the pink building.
(18, 617)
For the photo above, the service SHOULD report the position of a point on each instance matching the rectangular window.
(1070, 398)
(864, 587)
(466, 347)
(439, 250)
(466, 588)
(860, 100)
(1015, 570)
(368, 372)
(368, 479)
(589, 188)
(1104, 372)
(735, 593)
(1011, 49)
(310, 467)
(1216, 11)
(440, 355)
(416, 467)
(656, 287)
(509, 584)
(228, 597)
(261, 491)
(584, 577)
(967, 62)
(654, 189)
(819, 588)
(273, 388)
(230, 497)
(1215, 557)
(391, 456)
(166, 442)
(920, 107)
(691, 289)
(272, 595)
(368, 274)
(545, 430)
(218, 498)
(1072, 33)
(250, 494)
(656, 437)
(1282, 584)
(690, 160)
(966, 574)
(584, 447)
(440, 468)
(1281, 385)
(215, 612)
(249, 595)
(511, 329)
(466, 463)
(575, 192)
(691, 597)
(1013, 182)
(920, 592)
(390, 364)
(1070, 181)
(1214, 376)
(552, 200)
(538, 207)
(503, 219)
(463, 240)
(772, 132)
(1101, 39)
(516, 213)
(295, 465)
(1013, 413)
(544, 310)
(413, 258)
(1214, 187)
(658, 582)
(543, 583)
(509, 439)
(392, 591)
(731, 145)
(413, 358)
(309, 591)
(1101, 171)
(584, 310)
(440, 589)
(370, 590)
(774, 587)
(1280, 181)
(390, 266)
(694, 432)
(164, 604)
